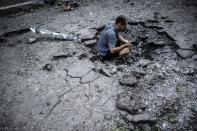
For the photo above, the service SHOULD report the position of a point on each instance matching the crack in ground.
(81, 77)
(59, 101)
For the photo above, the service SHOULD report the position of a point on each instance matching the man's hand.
(128, 44)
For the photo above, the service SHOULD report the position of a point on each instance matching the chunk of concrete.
(127, 80)
(185, 53)
(87, 34)
(90, 43)
(80, 68)
(140, 118)
(60, 55)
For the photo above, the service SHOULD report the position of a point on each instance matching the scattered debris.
(127, 80)
(138, 72)
(55, 35)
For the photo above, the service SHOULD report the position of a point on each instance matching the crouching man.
(111, 44)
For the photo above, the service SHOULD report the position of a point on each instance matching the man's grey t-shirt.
(108, 39)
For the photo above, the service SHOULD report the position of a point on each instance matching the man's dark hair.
(121, 19)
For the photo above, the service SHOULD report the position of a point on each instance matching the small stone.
(143, 62)
(160, 43)
(157, 65)
(139, 110)
(131, 126)
(123, 113)
(194, 57)
(32, 40)
(157, 42)
(130, 117)
(113, 71)
(108, 116)
(87, 94)
(60, 55)
(140, 118)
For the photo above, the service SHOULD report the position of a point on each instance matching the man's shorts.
(110, 55)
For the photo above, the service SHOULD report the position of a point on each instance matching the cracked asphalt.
(72, 94)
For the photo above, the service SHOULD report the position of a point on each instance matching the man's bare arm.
(118, 49)
(122, 39)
